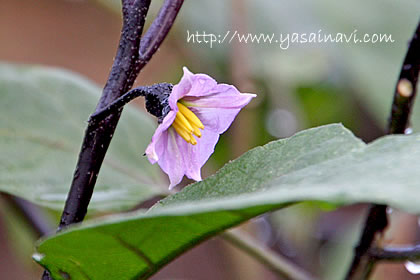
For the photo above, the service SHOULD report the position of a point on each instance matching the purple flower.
(201, 110)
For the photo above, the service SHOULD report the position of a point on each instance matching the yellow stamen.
(183, 122)
(186, 124)
(190, 115)
(182, 132)
(193, 141)
(196, 131)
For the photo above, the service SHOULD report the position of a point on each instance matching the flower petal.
(181, 158)
(171, 161)
(191, 84)
(157, 146)
(216, 105)
(195, 156)
(205, 145)
(218, 109)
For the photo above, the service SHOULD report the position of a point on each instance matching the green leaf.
(44, 112)
(323, 164)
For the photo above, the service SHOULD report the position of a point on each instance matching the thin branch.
(281, 266)
(396, 254)
(117, 105)
(159, 29)
(126, 67)
(156, 99)
(377, 219)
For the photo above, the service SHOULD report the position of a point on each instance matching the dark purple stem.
(158, 30)
(126, 67)
(405, 91)
(403, 102)
(396, 254)
(375, 224)
(97, 138)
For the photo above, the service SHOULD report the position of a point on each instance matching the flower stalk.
(156, 102)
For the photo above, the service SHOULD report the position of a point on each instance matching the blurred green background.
(304, 86)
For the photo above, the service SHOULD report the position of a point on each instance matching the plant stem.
(158, 30)
(126, 66)
(97, 138)
(281, 266)
(375, 224)
(125, 69)
(377, 219)
(396, 254)
(405, 91)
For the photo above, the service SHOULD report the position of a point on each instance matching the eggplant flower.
(200, 110)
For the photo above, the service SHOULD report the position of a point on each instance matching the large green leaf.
(326, 164)
(44, 112)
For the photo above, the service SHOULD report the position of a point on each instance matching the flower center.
(187, 124)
